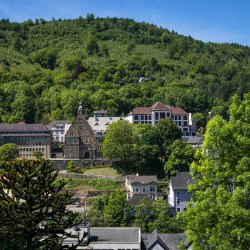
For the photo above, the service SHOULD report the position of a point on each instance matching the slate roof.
(102, 123)
(157, 107)
(167, 241)
(194, 140)
(142, 179)
(181, 180)
(136, 198)
(115, 234)
(58, 122)
(11, 128)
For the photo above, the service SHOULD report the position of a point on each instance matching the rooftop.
(181, 180)
(142, 179)
(101, 123)
(23, 128)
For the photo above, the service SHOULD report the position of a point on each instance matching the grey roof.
(194, 140)
(167, 241)
(23, 128)
(181, 180)
(136, 198)
(115, 234)
(59, 122)
(101, 112)
(142, 179)
(102, 123)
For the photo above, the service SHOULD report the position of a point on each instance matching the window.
(152, 189)
(178, 193)
(178, 200)
(178, 210)
(136, 117)
(156, 116)
(162, 115)
(144, 189)
(136, 189)
(185, 209)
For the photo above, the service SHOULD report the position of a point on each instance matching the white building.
(58, 130)
(153, 114)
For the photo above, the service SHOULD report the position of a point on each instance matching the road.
(76, 209)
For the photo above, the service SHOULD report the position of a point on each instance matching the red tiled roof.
(159, 106)
(142, 111)
(178, 111)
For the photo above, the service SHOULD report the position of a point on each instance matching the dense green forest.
(48, 67)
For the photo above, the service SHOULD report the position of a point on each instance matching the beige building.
(136, 184)
(28, 138)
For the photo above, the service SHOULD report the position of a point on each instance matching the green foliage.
(117, 209)
(38, 154)
(109, 55)
(118, 142)
(8, 152)
(70, 166)
(181, 157)
(33, 206)
(218, 217)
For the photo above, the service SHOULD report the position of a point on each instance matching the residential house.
(136, 184)
(160, 241)
(153, 114)
(28, 138)
(178, 191)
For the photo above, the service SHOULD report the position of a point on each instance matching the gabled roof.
(142, 179)
(181, 180)
(23, 128)
(142, 111)
(166, 241)
(159, 106)
(178, 111)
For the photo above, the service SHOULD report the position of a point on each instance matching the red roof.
(158, 106)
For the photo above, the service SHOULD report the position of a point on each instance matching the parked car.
(78, 204)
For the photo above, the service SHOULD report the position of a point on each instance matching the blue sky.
(206, 20)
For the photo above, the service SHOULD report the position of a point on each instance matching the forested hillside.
(48, 67)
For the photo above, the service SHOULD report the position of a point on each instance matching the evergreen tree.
(33, 207)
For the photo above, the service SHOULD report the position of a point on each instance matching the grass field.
(105, 171)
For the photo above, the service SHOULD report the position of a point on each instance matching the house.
(28, 138)
(195, 141)
(153, 114)
(160, 241)
(178, 191)
(136, 184)
(103, 238)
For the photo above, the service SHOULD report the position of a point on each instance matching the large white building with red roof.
(157, 111)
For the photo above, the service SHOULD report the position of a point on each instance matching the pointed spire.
(80, 108)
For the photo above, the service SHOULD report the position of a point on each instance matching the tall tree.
(33, 207)
(169, 133)
(181, 157)
(117, 209)
(118, 142)
(8, 152)
(219, 214)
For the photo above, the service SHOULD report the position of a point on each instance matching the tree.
(33, 207)
(8, 152)
(181, 157)
(169, 132)
(144, 214)
(117, 209)
(219, 214)
(38, 154)
(118, 142)
(147, 144)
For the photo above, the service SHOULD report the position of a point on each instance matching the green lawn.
(105, 171)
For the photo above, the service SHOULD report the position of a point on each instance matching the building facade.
(178, 191)
(152, 115)
(84, 139)
(28, 138)
(136, 184)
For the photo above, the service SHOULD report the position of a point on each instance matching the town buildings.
(84, 139)
(153, 114)
(28, 138)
